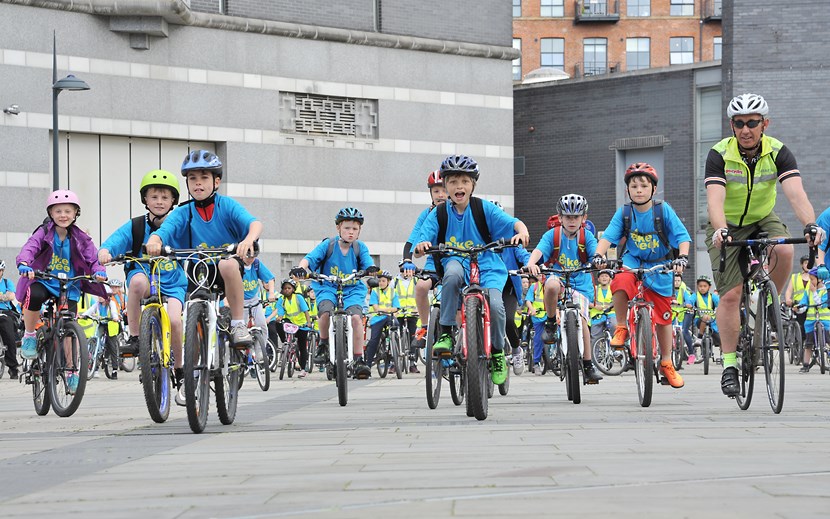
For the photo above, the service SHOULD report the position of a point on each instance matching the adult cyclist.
(741, 172)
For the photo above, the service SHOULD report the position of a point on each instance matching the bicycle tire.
(435, 367)
(92, 356)
(196, 376)
(273, 356)
(285, 358)
(505, 387)
(261, 370)
(395, 352)
(110, 344)
(63, 402)
(706, 352)
(573, 358)
(821, 349)
(677, 350)
(772, 351)
(477, 372)
(382, 355)
(789, 341)
(604, 358)
(39, 378)
(402, 363)
(155, 376)
(226, 387)
(310, 348)
(458, 386)
(644, 364)
(341, 368)
(799, 345)
(293, 358)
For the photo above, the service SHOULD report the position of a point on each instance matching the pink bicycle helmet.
(62, 196)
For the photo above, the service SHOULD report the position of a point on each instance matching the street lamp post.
(70, 82)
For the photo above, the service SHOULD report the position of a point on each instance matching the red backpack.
(556, 225)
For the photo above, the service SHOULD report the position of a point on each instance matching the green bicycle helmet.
(159, 178)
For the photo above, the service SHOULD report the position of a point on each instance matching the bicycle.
(290, 357)
(17, 324)
(792, 334)
(61, 354)
(312, 340)
(256, 356)
(472, 351)
(755, 341)
(102, 347)
(390, 351)
(208, 354)
(678, 344)
(608, 359)
(707, 343)
(819, 344)
(341, 338)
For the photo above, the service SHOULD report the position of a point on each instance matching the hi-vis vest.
(749, 199)
(680, 300)
(799, 287)
(817, 298)
(704, 304)
(292, 310)
(602, 297)
(406, 297)
(539, 300)
(312, 312)
(385, 297)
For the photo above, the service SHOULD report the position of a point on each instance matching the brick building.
(591, 37)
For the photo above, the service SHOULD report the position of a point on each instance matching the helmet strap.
(207, 202)
(639, 204)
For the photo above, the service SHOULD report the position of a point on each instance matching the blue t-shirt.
(6, 286)
(824, 222)
(374, 299)
(61, 263)
(530, 296)
(462, 232)
(513, 258)
(569, 258)
(254, 273)
(341, 265)
(416, 231)
(171, 275)
(184, 228)
(643, 247)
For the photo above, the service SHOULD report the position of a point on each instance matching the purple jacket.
(38, 251)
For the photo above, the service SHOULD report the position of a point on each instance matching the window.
(681, 51)
(639, 8)
(637, 53)
(553, 53)
(709, 121)
(517, 8)
(555, 8)
(682, 8)
(717, 50)
(517, 63)
(594, 52)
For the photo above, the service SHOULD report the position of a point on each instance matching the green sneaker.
(498, 368)
(443, 344)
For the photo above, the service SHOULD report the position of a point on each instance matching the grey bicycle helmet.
(349, 213)
(288, 281)
(202, 159)
(747, 104)
(704, 278)
(2, 265)
(572, 205)
(459, 165)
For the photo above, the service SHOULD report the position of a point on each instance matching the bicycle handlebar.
(764, 242)
(446, 250)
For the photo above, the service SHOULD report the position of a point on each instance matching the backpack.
(659, 228)
(477, 208)
(137, 231)
(332, 242)
(556, 225)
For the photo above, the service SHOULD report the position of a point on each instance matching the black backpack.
(659, 228)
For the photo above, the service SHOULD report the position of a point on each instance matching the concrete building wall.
(222, 87)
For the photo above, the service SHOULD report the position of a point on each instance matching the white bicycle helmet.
(2, 265)
(572, 205)
(747, 104)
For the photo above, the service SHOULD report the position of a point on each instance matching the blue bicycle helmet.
(572, 205)
(459, 165)
(202, 159)
(349, 213)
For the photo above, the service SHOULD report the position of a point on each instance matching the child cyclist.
(342, 260)
(644, 248)
(58, 246)
(460, 174)
(382, 298)
(572, 210)
(212, 220)
(816, 295)
(704, 300)
(159, 191)
(293, 307)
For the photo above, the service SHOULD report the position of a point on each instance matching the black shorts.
(37, 294)
(210, 271)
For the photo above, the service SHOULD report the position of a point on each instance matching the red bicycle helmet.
(641, 168)
(434, 179)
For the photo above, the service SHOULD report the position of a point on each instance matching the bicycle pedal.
(591, 382)
(664, 381)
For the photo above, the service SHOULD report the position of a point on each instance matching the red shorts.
(627, 282)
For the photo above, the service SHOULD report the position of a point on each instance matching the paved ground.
(294, 451)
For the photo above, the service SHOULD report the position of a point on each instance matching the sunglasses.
(752, 123)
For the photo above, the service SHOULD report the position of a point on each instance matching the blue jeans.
(686, 326)
(538, 330)
(453, 283)
(372, 345)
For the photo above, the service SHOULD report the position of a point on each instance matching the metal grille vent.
(312, 114)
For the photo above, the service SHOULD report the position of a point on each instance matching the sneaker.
(114, 375)
(443, 345)
(804, 369)
(322, 355)
(620, 335)
(72, 382)
(674, 378)
(13, 375)
(361, 370)
(549, 335)
(691, 359)
(592, 375)
(518, 362)
(697, 342)
(392, 369)
(302, 373)
(498, 368)
(413, 369)
(729, 383)
(537, 369)
(421, 333)
(28, 347)
(180, 398)
(240, 336)
(130, 348)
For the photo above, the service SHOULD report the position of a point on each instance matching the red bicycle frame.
(472, 291)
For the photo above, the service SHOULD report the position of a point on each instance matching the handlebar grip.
(812, 259)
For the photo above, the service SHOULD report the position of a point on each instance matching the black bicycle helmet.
(349, 213)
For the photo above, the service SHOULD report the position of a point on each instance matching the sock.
(357, 357)
(730, 360)
(29, 334)
(234, 322)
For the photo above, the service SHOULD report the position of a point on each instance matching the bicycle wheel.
(573, 358)
(769, 335)
(226, 386)
(706, 352)
(821, 348)
(196, 376)
(110, 345)
(70, 359)
(789, 341)
(311, 348)
(547, 357)
(746, 372)
(505, 387)
(155, 374)
(400, 357)
(477, 371)
(285, 359)
(92, 356)
(458, 386)
(39, 376)
(644, 364)
(341, 368)
(263, 374)
(291, 363)
(605, 357)
(435, 366)
(382, 356)
(273, 356)
(677, 349)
